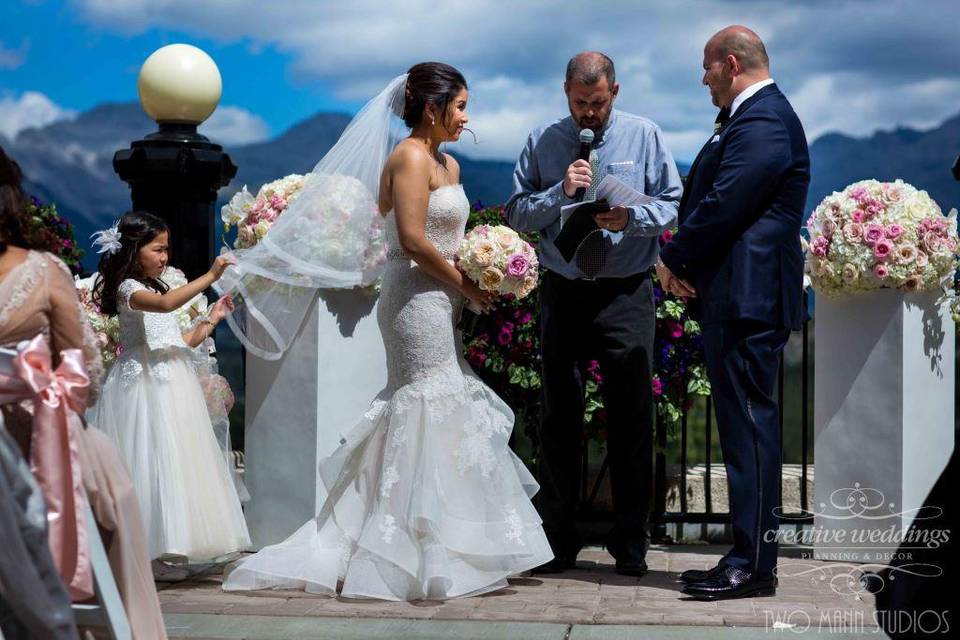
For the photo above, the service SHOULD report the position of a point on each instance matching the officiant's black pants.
(611, 320)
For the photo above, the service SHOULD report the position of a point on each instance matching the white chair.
(107, 613)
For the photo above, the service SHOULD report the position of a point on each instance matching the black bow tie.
(721, 120)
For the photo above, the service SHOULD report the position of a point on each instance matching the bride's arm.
(410, 191)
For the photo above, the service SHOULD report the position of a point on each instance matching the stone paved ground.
(811, 594)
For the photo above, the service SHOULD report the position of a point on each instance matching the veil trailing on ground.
(329, 237)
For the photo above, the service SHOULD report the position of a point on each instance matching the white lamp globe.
(179, 83)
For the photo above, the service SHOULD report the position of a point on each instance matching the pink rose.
(931, 241)
(894, 231)
(858, 193)
(517, 265)
(922, 260)
(853, 231)
(882, 249)
(890, 192)
(820, 246)
(913, 283)
(880, 270)
(950, 243)
(873, 233)
(657, 387)
(675, 328)
(828, 227)
(858, 216)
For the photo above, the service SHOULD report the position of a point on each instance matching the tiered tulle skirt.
(425, 501)
(152, 407)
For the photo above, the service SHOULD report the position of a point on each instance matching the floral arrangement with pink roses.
(876, 235)
(253, 216)
(499, 260)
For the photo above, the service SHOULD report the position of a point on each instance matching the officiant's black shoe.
(733, 582)
(630, 557)
(697, 575)
(559, 564)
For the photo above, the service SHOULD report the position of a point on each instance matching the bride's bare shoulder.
(406, 157)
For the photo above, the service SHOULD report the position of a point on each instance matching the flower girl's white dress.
(153, 408)
(425, 497)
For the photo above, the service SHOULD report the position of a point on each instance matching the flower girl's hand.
(221, 308)
(220, 265)
(479, 301)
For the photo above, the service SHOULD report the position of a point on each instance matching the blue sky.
(853, 66)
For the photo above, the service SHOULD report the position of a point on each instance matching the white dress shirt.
(746, 93)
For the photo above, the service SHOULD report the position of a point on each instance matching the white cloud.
(855, 66)
(841, 103)
(12, 58)
(235, 126)
(30, 109)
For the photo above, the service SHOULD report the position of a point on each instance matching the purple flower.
(517, 265)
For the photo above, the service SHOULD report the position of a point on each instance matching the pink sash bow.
(59, 397)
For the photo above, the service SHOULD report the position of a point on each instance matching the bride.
(425, 498)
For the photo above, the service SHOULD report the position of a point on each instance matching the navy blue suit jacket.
(738, 241)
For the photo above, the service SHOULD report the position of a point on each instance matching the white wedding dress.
(425, 498)
(152, 407)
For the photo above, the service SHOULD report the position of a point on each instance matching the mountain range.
(70, 162)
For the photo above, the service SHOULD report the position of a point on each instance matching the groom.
(598, 305)
(738, 250)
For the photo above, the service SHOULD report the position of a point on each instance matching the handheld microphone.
(586, 141)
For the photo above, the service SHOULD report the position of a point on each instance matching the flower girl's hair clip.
(108, 240)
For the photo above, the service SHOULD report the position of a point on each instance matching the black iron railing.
(678, 448)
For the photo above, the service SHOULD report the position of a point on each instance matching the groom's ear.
(616, 89)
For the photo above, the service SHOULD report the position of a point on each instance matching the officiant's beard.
(594, 123)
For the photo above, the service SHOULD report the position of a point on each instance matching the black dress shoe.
(698, 575)
(630, 557)
(559, 564)
(733, 583)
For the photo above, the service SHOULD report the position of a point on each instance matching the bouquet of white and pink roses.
(499, 260)
(880, 235)
(253, 216)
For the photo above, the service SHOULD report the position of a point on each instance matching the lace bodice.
(40, 296)
(447, 212)
(143, 328)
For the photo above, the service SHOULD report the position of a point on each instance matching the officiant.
(597, 305)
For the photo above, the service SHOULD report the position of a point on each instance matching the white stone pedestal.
(884, 417)
(298, 406)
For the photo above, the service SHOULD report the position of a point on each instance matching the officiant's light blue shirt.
(632, 148)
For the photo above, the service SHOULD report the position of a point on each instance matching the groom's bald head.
(743, 44)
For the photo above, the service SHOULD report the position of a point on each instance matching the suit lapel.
(687, 187)
(768, 90)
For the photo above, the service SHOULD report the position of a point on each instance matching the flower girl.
(152, 405)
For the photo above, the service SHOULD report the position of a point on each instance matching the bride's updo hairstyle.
(430, 82)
